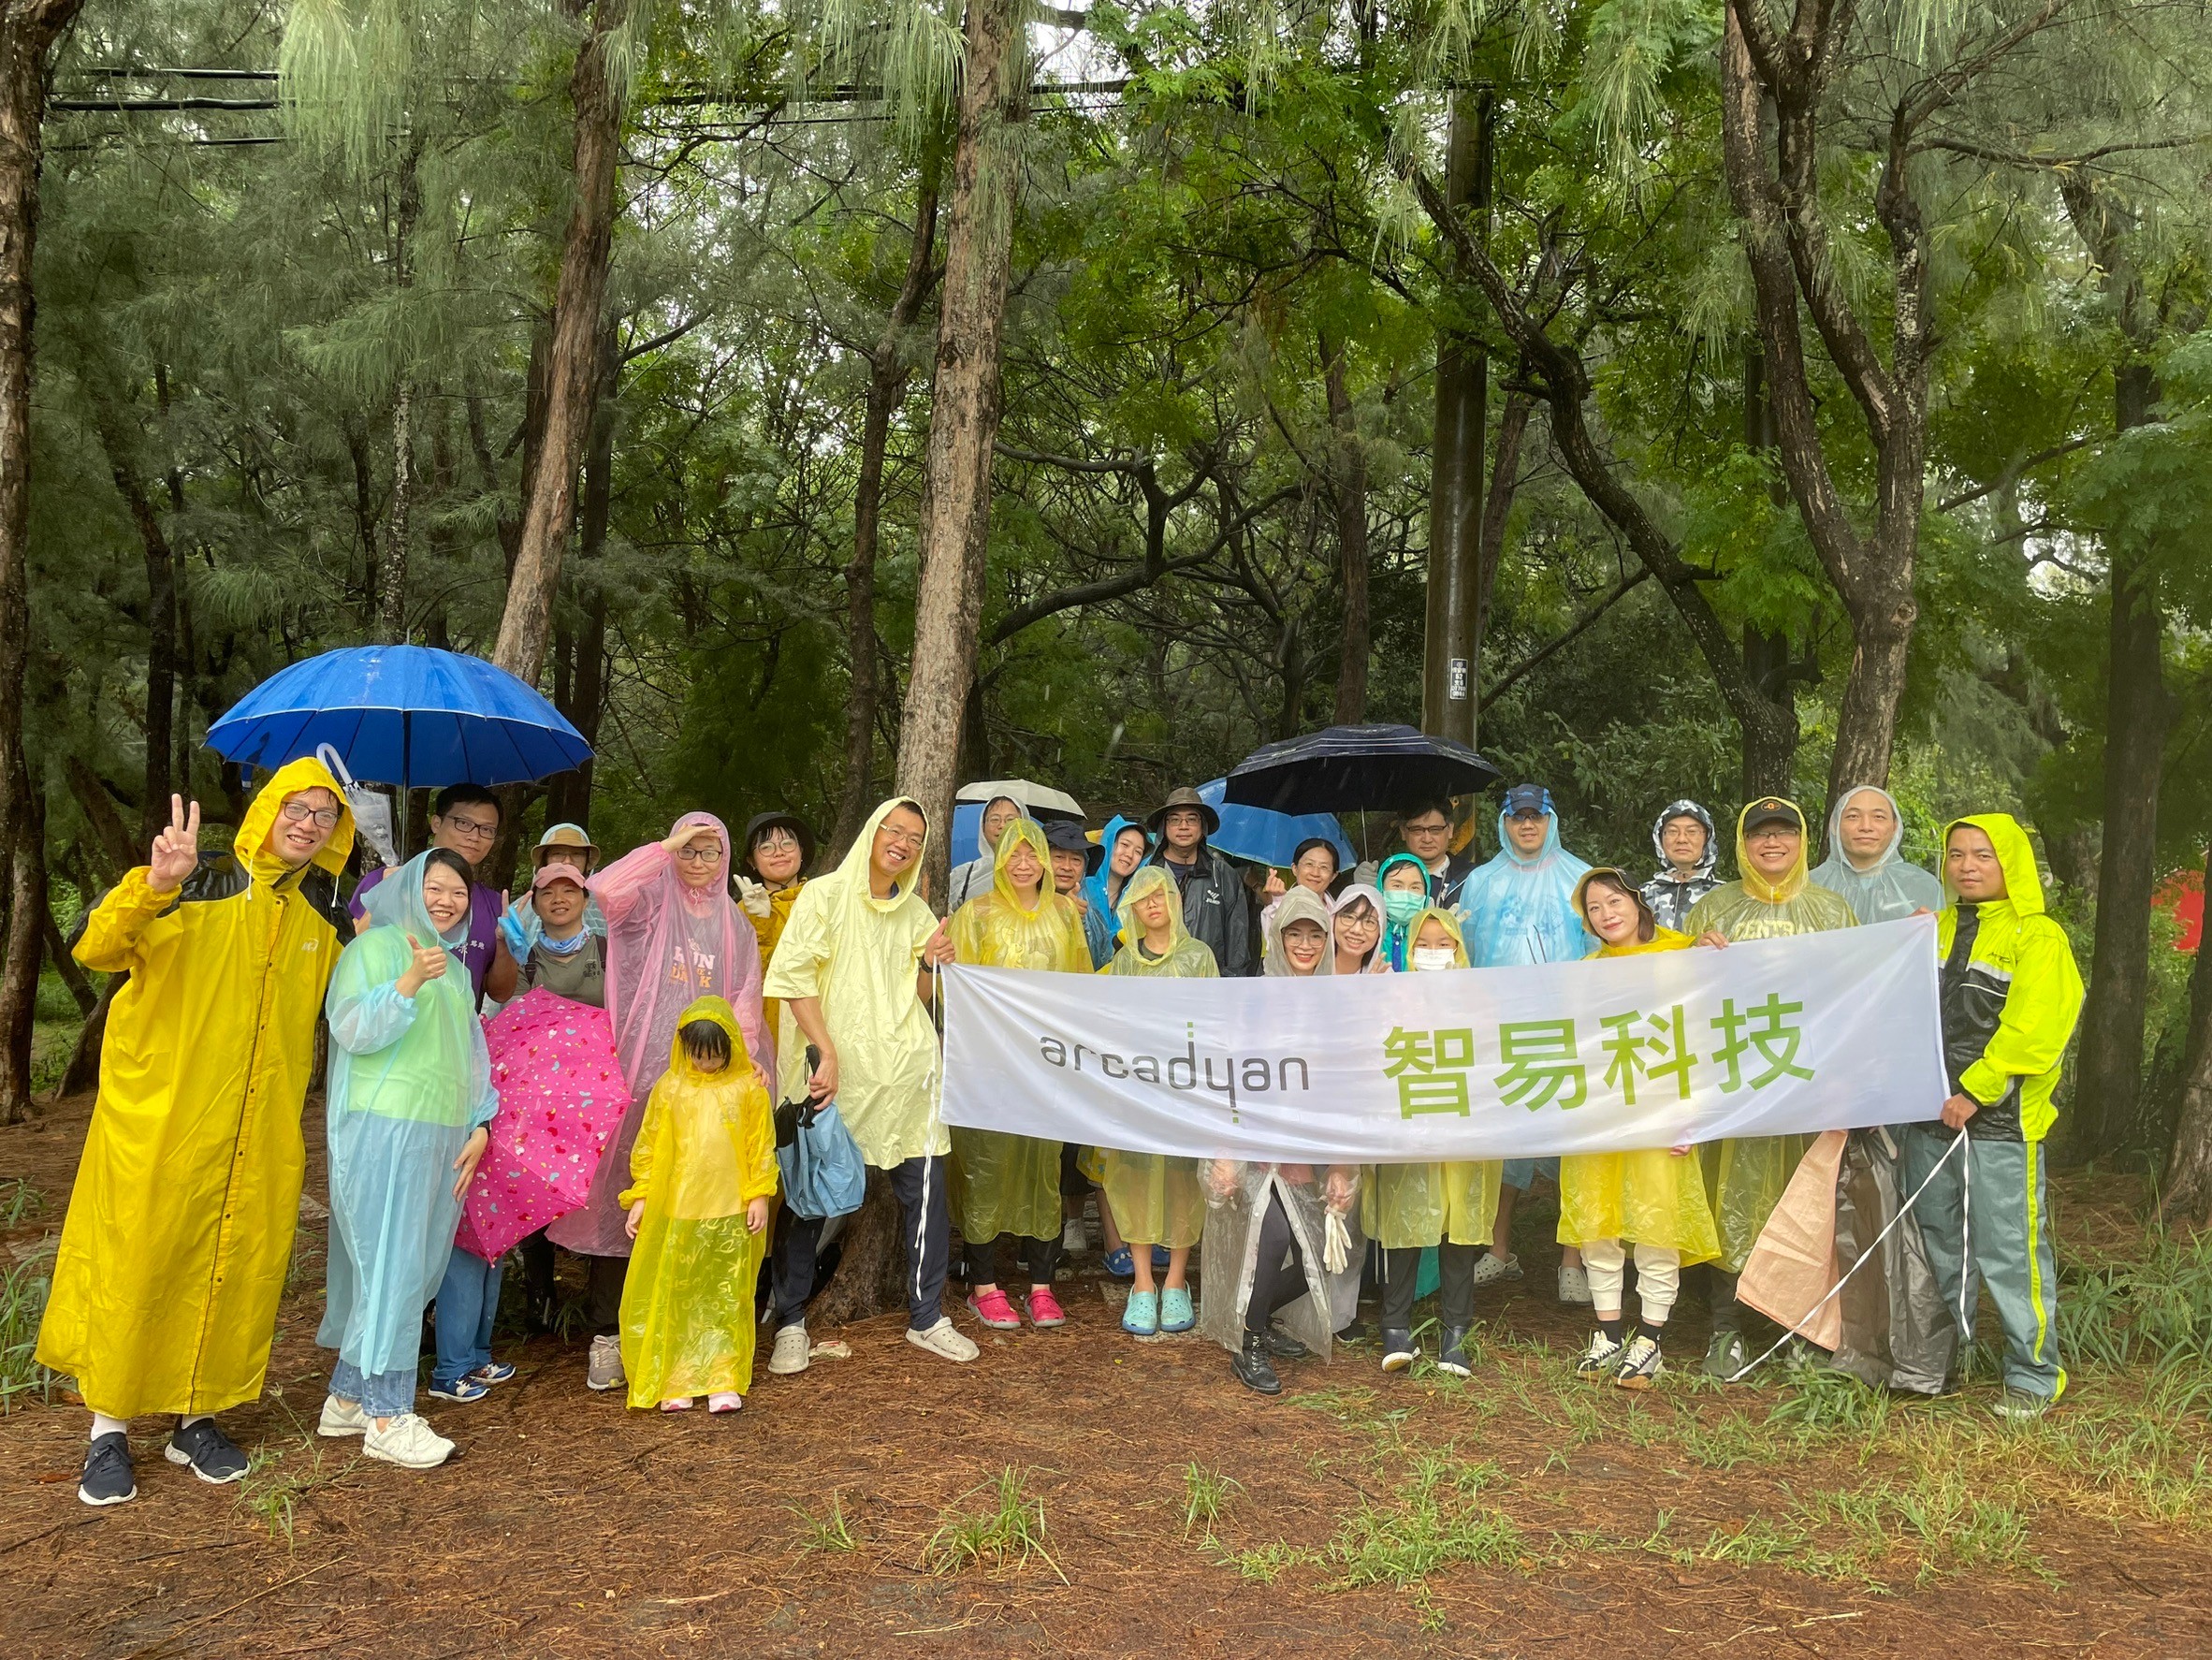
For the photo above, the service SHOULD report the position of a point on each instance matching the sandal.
(1119, 1263)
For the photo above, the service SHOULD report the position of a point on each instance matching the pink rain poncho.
(561, 1098)
(666, 945)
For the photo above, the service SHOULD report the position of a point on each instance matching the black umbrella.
(1357, 769)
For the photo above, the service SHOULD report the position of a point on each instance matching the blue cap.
(1524, 799)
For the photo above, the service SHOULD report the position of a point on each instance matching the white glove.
(751, 895)
(1337, 1244)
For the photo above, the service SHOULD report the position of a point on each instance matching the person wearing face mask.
(1448, 1207)
(1688, 850)
(1355, 918)
(410, 1101)
(1005, 1187)
(1424, 831)
(1653, 1200)
(1214, 909)
(1774, 899)
(974, 877)
(1863, 863)
(174, 1252)
(1403, 881)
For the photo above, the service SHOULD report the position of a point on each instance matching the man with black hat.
(1071, 852)
(1775, 899)
(1216, 911)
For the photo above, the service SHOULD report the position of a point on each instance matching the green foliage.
(24, 1290)
(1011, 1531)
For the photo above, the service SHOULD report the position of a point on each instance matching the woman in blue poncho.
(409, 1098)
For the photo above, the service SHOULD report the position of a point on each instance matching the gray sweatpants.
(2006, 1233)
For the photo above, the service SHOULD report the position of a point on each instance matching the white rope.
(1750, 1366)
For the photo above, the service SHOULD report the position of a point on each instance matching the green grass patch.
(1013, 1530)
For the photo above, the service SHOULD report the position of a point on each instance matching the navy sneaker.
(492, 1372)
(208, 1452)
(463, 1389)
(107, 1478)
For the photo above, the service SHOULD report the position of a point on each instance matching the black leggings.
(1011, 1253)
(1279, 1277)
(1455, 1272)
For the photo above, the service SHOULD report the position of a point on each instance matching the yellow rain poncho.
(861, 956)
(1650, 1196)
(1156, 1199)
(1751, 1171)
(1425, 1204)
(791, 1043)
(704, 1150)
(180, 1228)
(1002, 1182)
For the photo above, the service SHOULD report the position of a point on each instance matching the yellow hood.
(2015, 855)
(718, 1011)
(305, 773)
(1757, 886)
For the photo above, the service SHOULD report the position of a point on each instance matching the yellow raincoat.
(1003, 1183)
(1752, 1171)
(1156, 1199)
(1650, 1196)
(861, 956)
(791, 1043)
(704, 1149)
(1404, 1205)
(178, 1235)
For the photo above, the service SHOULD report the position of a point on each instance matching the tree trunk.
(83, 1071)
(2188, 1165)
(1497, 510)
(67, 967)
(887, 385)
(26, 950)
(161, 614)
(391, 570)
(568, 796)
(571, 380)
(1349, 486)
(871, 1264)
(962, 420)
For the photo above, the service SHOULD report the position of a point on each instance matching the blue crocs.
(1175, 1313)
(1141, 1318)
(1119, 1263)
(1161, 1258)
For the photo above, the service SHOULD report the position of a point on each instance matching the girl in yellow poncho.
(1412, 1206)
(1654, 1200)
(1158, 1199)
(1008, 1187)
(702, 1173)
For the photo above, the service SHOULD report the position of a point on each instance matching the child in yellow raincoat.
(1409, 1207)
(1654, 1199)
(1007, 1187)
(702, 1173)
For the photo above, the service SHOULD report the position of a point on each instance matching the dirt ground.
(571, 1526)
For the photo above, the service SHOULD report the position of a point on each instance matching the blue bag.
(823, 1175)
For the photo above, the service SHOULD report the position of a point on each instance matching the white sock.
(184, 1423)
(103, 1425)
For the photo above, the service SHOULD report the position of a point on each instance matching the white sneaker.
(943, 1339)
(408, 1442)
(342, 1418)
(793, 1353)
(1072, 1239)
(1574, 1285)
(603, 1369)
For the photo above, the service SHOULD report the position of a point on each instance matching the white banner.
(1827, 1031)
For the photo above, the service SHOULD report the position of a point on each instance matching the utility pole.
(1448, 679)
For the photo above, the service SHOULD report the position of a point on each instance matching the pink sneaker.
(994, 1311)
(1044, 1308)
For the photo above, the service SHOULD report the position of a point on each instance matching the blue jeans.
(468, 1300)
(385, 1395)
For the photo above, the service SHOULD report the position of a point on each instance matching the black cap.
(784, 821)
(1526, 798)
(1067, 836)
(1773, 809)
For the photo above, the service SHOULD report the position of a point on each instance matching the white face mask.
(1426, 957)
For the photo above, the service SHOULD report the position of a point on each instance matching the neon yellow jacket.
(180, 1229)
(2010, 998)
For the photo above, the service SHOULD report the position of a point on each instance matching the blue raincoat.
(1103, 903)
(1521, 908)
(409, 1082)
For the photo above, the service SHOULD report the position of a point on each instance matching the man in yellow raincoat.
(179, 1235)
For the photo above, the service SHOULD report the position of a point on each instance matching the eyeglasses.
(906, 839)
(700, 856)
(298, 812)
(471, 829)
(1427, 829)
(776, 841)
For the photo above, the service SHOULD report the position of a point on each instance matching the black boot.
(1398, 1349)
(1284, 1346)
(1254, 1370)
(1452, 1355)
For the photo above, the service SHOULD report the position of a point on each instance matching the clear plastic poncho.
(1156, 1199)
(1300, 905)
(1378, 961)
(1751, 1171)
(1890, 887)
(1426, 1204)
(667, 945)
(707, 1148)
(409, 1082)
(1520, 908)
(1649, 1196)
(1670, 896)
(1003, 1183)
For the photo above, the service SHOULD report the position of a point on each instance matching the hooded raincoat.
(1649, 1196)
(1003, 1183)
(1426, 1204)
(1520, 908)
(971, 879)
(410, 1080)
(1378, 960)
(861, 956)
(1751, 1171)
(1393, 951)
(1156, 1199)
(667, 944)
(1669, 893)
(1099, 885)
(705, 1150)
(1890, 888)
(174, 1252)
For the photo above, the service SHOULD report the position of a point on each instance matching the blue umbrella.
(407, 715)
(1264, 837)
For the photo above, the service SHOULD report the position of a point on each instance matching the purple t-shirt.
(475, 952)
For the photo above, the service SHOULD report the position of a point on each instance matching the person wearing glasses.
(174, 1252)
(465, 820)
